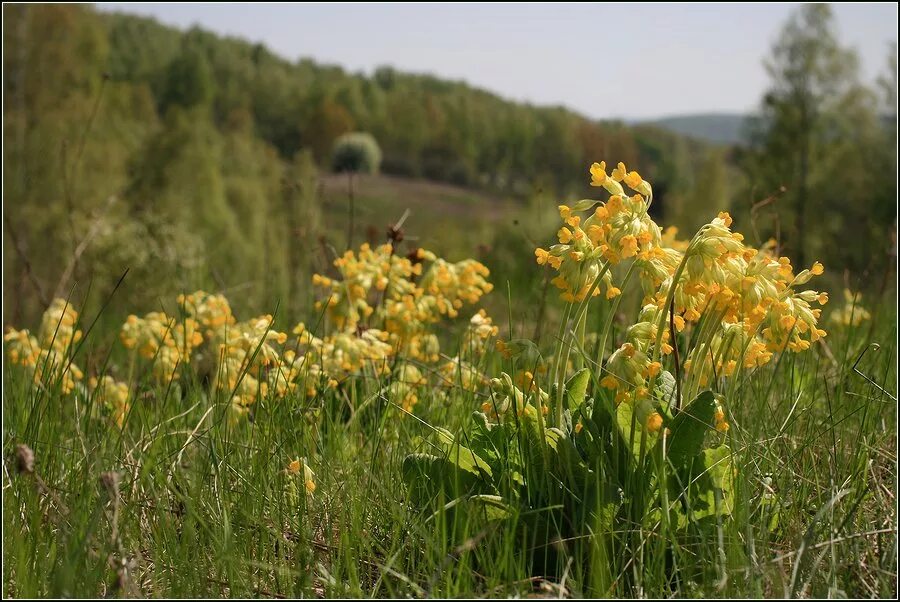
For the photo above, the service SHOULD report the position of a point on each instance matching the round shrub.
(357, 152)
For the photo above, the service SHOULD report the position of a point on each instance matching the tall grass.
(184, 501)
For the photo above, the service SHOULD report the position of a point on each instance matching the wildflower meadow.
(698, 418)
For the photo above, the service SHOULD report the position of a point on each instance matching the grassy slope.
(446, 218)
(207, 509)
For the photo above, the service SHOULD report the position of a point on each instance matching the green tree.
(189, 81)
(814, 100)
(327, 122)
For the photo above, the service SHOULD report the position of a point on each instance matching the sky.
(604, 60)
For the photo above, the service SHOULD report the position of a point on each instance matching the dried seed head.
(24, 459)
(394, 234)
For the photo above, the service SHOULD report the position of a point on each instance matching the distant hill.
(718, 128)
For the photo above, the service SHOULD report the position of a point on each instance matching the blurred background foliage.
(195, 160)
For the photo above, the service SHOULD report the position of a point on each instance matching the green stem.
(579, 333)
(712, 319)
(612, 316)
(559, 345)
(667, 307)
(580, 314)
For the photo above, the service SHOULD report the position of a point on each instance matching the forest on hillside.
(203, 153)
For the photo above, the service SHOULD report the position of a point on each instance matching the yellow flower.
(609, 382)
(654, 422)
(598, 174)
(629, 246)
(633, 179)
(726, 218)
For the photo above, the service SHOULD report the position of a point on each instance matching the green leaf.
(584, 204)
(689, 429)
(710, 482)
(666, 388)
(493, 506)
(566, 463)
(637, 412)
(717, 462)
(542, 456)
(462, 456)
(576, 389)
(720, 468)
(487, 439)
(553, 437)
(425, 475)
(496, 444)
(567, 424)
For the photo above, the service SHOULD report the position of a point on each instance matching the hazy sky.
(602, 60)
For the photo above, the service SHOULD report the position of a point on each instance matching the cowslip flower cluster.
(458, 373)
(381, 311)
(383, 308)
(114, 395)
(211, 311)
(248, 356)
(405, 386)
(399, 288)
(481, 329)
(47, 356)
(342, 355)
(249, 361)
(746, 302)
(163, 339)
(614, 231)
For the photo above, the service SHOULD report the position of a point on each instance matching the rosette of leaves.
(599, 472)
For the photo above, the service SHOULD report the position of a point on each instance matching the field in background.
(453, 220)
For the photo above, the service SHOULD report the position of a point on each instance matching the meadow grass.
(184, 501)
